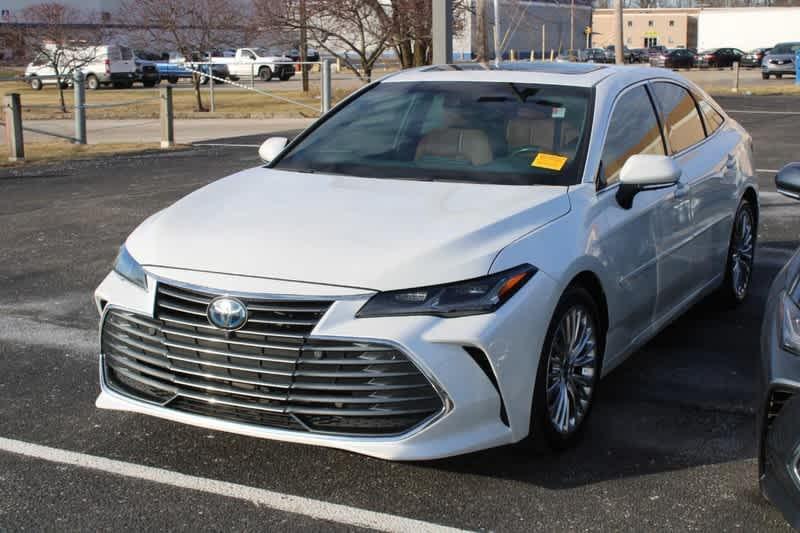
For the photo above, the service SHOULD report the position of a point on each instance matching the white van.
(101, 65)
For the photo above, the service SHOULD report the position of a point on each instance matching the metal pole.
(544, 42)
(211, 83)
(80, 107)
(252, 74)
(618, 53)
(326, 86)
(442, 29)
(167, 127)
(303, 46)
(736, 69)
(13, 116)
(498, 54)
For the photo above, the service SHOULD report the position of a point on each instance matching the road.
(671, 445)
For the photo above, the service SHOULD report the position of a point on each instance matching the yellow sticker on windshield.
(549, 161)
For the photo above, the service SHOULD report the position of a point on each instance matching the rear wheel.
(764, 76)
(36, 84)
(150, 83)
(92, 83)
(172, 80)
(741, 255)
(779, 76)
(569, 370)
(265, 74)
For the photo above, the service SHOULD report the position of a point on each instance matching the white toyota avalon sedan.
(450, 260)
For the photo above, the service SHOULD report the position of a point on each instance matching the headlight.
(473, 297)
(127, 267)
(790, 315)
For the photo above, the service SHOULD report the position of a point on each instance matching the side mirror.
(645, 172)
(270, 148)
(787, 181)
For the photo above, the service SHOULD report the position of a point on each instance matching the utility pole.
(498, 54)
(618, 50)
(571, 27)
(303, 45)
(481, 31)
(442, 29)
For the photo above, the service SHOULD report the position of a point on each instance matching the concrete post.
(80, 107)
(736, 71)
(211, 83)
(13, 118)
(326, 86)
(167, 127)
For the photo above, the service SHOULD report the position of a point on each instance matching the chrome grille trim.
(331, 386)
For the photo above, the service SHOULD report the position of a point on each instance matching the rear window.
(126, 53)
(503, 133)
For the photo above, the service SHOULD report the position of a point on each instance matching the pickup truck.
(258, 62)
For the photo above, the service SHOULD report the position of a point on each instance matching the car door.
(685, 263)
(630, 243)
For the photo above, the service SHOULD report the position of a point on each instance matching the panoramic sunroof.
(522, 66)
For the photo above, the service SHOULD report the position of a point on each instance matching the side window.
(633, 129)
(683, 124)
(712, 118)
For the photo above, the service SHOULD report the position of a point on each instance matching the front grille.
(269, 373)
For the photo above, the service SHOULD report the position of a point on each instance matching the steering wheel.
(525, 150)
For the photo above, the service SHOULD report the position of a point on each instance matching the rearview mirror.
(645, 172)
(788, 181)
(270, 148)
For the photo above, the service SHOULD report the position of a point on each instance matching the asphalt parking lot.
(671, 445)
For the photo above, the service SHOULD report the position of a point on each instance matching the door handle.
(681, 191)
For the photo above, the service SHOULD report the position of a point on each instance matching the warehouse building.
(642, 28)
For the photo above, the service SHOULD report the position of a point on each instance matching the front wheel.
(569, 371)
(265, 74)
(36, 84)
(92, 83)
(779, 76)
(764, 76)
(741, 255)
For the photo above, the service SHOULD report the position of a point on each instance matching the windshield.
(264, 52)
(785, 48)
(502, 133)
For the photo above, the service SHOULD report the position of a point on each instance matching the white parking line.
(767, 170)
(228, 145)
(764, 112)
(315, 509)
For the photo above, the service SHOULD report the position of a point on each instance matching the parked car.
(597, 55)
(579, 56)
(779, 413)
(611, 54)
(779, 60)
(409, 280)
(174, 67)
(719, 57)
(101, 66)
(753, 58)
(146, 68)
(676, 58)
(294, 54)
(640, 55)
(260, 62)
(656, 50)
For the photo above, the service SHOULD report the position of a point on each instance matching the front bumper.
(773, 68)
(481, 410)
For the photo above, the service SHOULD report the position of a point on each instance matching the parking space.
(671, 444)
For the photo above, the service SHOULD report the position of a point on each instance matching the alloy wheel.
(742, 253)
(571, 369)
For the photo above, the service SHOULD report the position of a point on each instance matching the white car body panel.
(289, 234)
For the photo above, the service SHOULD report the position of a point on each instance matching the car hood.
(376, 234)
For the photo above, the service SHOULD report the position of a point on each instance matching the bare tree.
(350, 30)
(62, 39)
(191, 27)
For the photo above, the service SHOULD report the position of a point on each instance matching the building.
(524, 24)
(12, 9)
(643, 28)
(748, 27)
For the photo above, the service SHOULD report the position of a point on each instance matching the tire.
(578, 390)
(286, 77)
(92, 83)
(172, 80)
(204, 80)
(764, 76)
(150, 84)
(36, 84)
(741, 257)
(779, 76)
(265, 73)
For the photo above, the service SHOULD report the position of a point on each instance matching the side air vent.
(482, 360)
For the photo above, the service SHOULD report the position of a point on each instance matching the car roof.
(541, 72)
